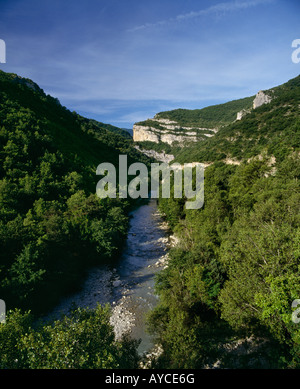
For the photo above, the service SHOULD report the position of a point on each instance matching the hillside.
(208, 117)
(231, 131)
(180, 127)
(52, 225)
(226, 295)
(271, 128)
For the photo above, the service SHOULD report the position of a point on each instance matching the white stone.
(260, 99)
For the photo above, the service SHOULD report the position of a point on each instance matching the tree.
(82, 340)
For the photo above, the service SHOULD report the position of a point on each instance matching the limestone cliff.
(162, 157)
(242, 113)
(163, 130)
(260, 99)
(144, 133)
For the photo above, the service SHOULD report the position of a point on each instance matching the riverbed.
(128, 284)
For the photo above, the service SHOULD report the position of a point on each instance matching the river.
(128, 284)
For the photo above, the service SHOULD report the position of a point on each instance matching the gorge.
(221, 297)
(127, 284)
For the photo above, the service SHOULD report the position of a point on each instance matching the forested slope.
(272, 127)
(226, 296)
(52, 225)
(208, 117)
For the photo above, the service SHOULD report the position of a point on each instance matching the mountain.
(182, 126)
(52, 224)
(234, 131)
(120, 131)
(272, 127)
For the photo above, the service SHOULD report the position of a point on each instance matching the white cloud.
(215, 9)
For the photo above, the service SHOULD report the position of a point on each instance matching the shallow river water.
(128, 284)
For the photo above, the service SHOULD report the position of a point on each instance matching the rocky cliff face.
(144, 133)
(162, 157)
(260, 99)
(242, 113)
(167, 131)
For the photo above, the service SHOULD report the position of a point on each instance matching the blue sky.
(122, 61)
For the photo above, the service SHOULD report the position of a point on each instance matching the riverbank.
(127, 284)
(128, 314)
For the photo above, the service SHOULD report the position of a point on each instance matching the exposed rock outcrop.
(162, 157)
(260, 99)
(152, 134)
(168, 131)
(242, 113)
(143, 133)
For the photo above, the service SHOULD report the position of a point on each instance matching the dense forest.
(227, 293)
(53, 226)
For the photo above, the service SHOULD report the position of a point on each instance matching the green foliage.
(209, 117)
(271, 128)
(52, 225)
(17, 325)
(235, 272)
(236, 268)
(82, 340)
